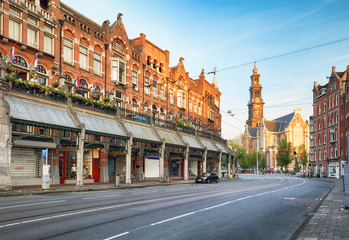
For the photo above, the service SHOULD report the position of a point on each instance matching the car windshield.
(205, 174)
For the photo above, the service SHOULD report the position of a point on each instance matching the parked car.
(207, 178)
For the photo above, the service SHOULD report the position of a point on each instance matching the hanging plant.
(94, 96)
(106, 99)
(10, 68)
(34, 75)
(55, 84)
(79, 90)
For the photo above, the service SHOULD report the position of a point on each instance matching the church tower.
(255, 105)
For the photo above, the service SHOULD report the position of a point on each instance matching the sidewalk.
(330, 220)
(31, 190)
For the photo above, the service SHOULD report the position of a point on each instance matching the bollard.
(346, 185)
(117, 180)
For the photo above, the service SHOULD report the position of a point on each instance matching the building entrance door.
(62, 167)
(96, 169)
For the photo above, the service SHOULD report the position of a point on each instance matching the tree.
(284, 154)
(303, 157)
(297, 165)
(239, 152)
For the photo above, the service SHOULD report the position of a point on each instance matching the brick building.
(264, 135)
(112, 104)
(328, 134)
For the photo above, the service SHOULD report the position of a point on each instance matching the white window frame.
(68, 51)
(32, 41)
(13, 33)
(135, 77)
(155, 89)
(171, 97)
(162, 92)
(97, 63)
(48, 49)
(83, 57)
(115, 71)
(146, 85)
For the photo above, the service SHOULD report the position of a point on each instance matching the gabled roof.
(252, 131)
(279, 124)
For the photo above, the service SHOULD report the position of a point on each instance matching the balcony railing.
(57, 94)
(134, 116)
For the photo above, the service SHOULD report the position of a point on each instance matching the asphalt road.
(253, 207)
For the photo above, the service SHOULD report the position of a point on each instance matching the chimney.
(142, 36)
(168, 57)
(333, 68)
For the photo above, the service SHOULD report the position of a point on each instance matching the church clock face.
(257, 99)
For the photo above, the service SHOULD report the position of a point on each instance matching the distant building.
(100, 102)
(329, 126)
(264, 135)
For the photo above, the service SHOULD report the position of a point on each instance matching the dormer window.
(118, 46)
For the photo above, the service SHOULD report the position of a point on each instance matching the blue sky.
(223, 34)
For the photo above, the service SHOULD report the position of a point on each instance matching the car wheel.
(208, 180)
(217, 180)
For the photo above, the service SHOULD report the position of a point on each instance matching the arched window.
(118, 46)
(42, 74)
(154, 107)
(83, 83)
(68, 78)
(134, 105)
(146, 107)
(20, 61)
(22, 67)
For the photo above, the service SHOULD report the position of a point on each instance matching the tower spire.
(214, 78)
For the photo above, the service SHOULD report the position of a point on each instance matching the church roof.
(279, 124)
(252, 131)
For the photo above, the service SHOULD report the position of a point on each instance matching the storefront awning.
(141, 132)
(223, 148)
(99, 124)
(210, 146)
(171, 138)
(193, 143)
(39, 112)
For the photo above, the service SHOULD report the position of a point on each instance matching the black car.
(207, 178)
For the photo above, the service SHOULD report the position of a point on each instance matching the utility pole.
(257, 149)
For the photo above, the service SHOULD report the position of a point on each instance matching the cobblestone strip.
(331, 220)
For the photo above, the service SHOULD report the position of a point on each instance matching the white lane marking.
(104, 208)
(289, 198)
(225, 203)
(170, 219)
(116, 236)
(108, 196)
(31, 204)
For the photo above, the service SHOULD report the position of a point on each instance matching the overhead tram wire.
(277, 56)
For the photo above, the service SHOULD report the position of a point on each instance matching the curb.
(302, 225)
(12, 193)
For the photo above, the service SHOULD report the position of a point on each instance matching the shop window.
(175, 168)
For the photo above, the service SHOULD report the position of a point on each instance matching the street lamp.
(106, 46)
(143, 83)
(61, 23)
